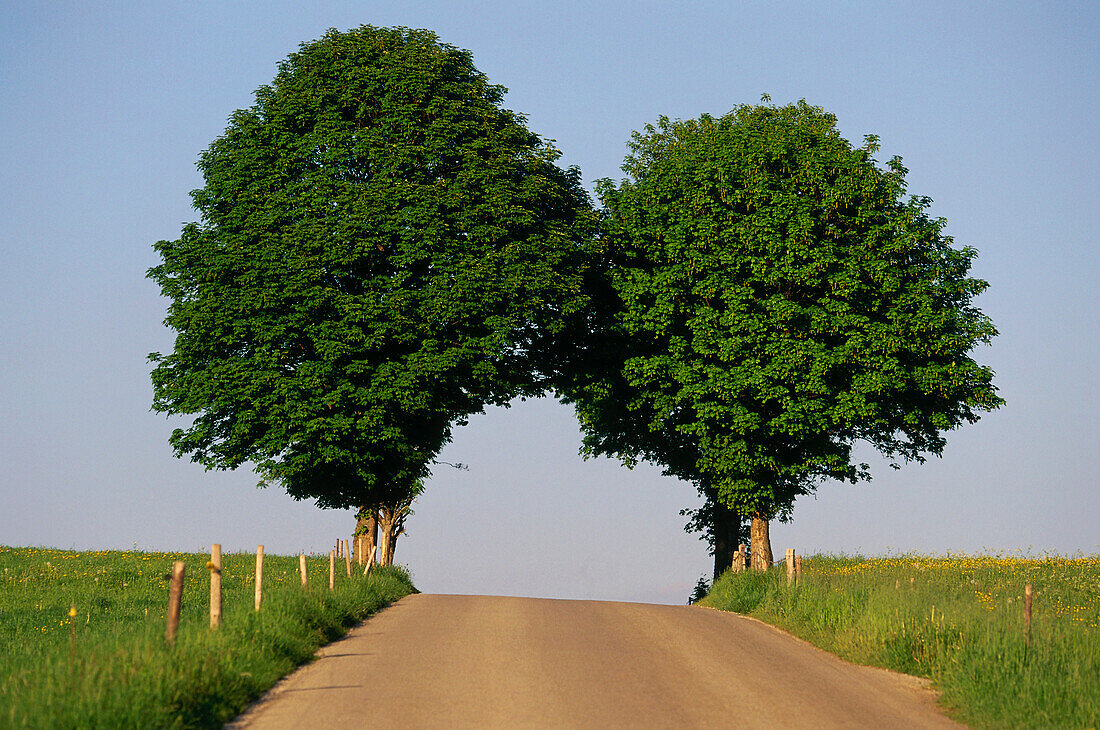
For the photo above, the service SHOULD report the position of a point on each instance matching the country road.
(434, 661)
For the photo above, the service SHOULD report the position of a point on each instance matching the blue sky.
(993, 107)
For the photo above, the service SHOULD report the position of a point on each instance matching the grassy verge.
(956, 620)
(119, 672)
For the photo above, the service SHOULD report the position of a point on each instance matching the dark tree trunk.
(727, 535)
(393, 544)
(372, 535)
(761, 545)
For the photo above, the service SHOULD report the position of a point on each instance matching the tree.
(382, 249)
(770, 300)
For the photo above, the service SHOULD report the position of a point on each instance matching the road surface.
(433, 661)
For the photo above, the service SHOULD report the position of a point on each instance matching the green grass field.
(957, 620)
(119, 671)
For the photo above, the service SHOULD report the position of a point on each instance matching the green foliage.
(383, 251)
(702, 588)
(957, 620)
(770, 300)
(122, 674)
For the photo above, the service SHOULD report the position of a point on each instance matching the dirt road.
(488, 662)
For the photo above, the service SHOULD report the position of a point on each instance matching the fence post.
(347, 557)
(739, 559)
(259, 576)
(215, 566)
(175, 595)
(798, 569)
(1027, 614)
(302, 567)
(790, 565)
(331, 569)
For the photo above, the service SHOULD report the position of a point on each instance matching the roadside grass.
(957, 620)
(120, 673)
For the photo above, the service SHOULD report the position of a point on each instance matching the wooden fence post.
(259, 576)
(302, 567)
(175, 595)
(347, 557)
(331, 569)
(798, 569)
(790, 565)
(739, 559)
(369, 562)
(1027, 614)
(358, 540)
(215, 566)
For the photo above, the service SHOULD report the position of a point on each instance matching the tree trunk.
(727, 535)
(386, 522)
(393, 544)
(761, 545)
(366, 531)
(372, 538)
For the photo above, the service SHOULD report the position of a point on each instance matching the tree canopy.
(382, 251)
(772, 298)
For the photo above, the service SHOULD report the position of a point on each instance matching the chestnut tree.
(382, 250)
(771, 298)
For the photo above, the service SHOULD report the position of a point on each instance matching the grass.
(120, 673)
(956, 620)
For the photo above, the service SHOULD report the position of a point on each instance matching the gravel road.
(434, 661)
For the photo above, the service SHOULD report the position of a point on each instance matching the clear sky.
(105, 107)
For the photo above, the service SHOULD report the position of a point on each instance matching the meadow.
(109, 666)
(958, 620)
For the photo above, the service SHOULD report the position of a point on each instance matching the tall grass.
(957, 620)
(120, 673)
